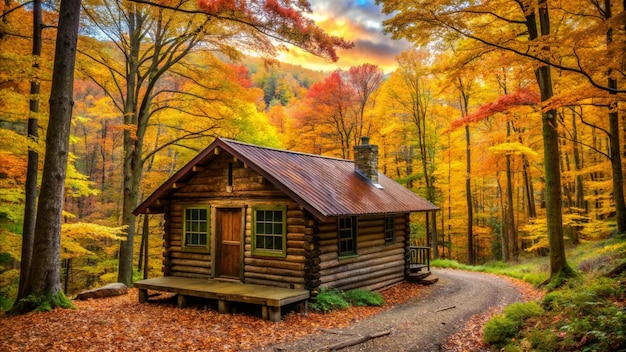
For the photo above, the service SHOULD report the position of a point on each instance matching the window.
(270, 231)
(390, 233)
(347, 236)
(196, 229)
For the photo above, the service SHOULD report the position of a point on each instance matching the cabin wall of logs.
(376, 265)
(311, 259)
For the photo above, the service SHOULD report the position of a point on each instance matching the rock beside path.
(110, 290)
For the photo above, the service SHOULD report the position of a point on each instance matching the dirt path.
(421, 325)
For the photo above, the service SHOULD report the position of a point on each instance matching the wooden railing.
(419, 258)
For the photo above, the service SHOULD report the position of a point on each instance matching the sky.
(359, 21)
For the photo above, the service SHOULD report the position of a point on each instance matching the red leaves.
(122, 324)
(520, 97)
(282, 20)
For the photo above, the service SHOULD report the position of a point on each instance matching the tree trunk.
(614, 139)
(125, 271)
(44, 287)
(468, 195)
(511, 230)
(503, 237)
(30, 189)
(579, 196)
(558, 263)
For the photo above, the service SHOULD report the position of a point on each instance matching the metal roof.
(324, 186)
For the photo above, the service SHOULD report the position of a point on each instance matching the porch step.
(422, 277)
(428, 280)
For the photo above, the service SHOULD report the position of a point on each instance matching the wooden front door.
(228, 242)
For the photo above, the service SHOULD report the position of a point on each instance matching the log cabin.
(260, 218)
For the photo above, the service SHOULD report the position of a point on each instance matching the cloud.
(359, 21)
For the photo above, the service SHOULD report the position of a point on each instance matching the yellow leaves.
(76, 237)
(77, 184)
(514, 148)
(10, 243)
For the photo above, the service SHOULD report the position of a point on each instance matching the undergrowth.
(586, 313)
(581, 316)
(330, 299)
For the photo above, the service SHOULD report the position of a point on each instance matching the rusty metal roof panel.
(330, 186)
(324, 186)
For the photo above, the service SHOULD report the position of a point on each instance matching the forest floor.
(445, 316)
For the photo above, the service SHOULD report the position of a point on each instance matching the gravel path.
(424, 324)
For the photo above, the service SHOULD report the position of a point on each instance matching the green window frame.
(196, 229)
(269, 231)
(346, 236)
(390, 230)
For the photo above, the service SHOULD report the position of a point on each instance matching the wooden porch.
(271, 299)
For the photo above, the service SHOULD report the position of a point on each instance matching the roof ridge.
(233, 141)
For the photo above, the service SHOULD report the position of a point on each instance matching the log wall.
(210, 187)
(376, 264)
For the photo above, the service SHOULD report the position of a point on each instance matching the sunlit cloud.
(359, 21)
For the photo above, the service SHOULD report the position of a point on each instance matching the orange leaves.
(13, 168)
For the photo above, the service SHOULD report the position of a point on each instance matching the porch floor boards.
(271, 299)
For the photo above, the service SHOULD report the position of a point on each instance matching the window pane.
(278, 229)
(279, 243)
(259, 241)
(268, 242)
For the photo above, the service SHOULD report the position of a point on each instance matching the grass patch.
(330, 299)
(500, 329)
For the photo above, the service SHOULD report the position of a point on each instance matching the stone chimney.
(366, 159)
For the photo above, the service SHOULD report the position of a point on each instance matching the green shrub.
(604, 288)
(553, 301)
(328, 300)
(543, 340)
(499, 330)
(361, 298)
(519, 312)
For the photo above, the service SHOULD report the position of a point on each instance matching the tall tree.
(154, 38)
(333, 104)
(30, 192)
(614, 123)
(366, 80)
(416, 101)
(420, 21)
(537, 28)
(43, 290)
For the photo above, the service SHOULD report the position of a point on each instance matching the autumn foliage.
(520, 97)
(279, 19)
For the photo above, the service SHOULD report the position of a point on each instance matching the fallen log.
(356, 341)
(110, 290)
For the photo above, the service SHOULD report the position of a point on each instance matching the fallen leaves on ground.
(122, 324)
